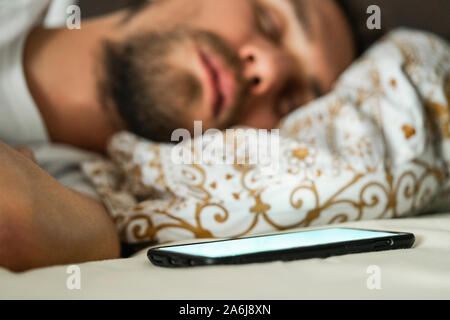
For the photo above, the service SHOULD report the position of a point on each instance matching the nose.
(260, 66)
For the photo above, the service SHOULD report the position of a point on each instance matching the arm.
(44, 223)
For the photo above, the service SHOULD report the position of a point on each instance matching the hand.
(44, 223)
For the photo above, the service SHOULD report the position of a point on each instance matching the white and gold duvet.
(377, 146)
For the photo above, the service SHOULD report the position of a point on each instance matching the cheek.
(322, 67)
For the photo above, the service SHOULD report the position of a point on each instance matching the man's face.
(233, 62)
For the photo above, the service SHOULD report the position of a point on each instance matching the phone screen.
(274, 242)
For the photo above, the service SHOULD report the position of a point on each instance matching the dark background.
(431, 15)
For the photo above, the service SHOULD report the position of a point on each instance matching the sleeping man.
(150, 68)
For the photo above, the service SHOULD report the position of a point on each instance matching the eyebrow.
(301, 9)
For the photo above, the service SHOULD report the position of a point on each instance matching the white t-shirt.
(20, 120)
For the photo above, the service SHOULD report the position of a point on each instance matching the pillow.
(376, 147)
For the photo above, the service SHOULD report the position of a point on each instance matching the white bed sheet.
(419, 273)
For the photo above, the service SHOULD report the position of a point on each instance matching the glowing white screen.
(275, 242)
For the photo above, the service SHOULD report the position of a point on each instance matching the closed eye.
(269, 23)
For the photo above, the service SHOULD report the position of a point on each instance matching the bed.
(419, 273)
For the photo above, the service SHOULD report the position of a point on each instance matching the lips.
(220, 83)
(214, 83)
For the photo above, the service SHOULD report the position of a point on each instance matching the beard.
(150, 94)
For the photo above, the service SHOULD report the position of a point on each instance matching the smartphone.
(285, 247)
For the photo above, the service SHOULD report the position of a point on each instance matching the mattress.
(422, 272)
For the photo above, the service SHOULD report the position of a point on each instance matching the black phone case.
(400, 240)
